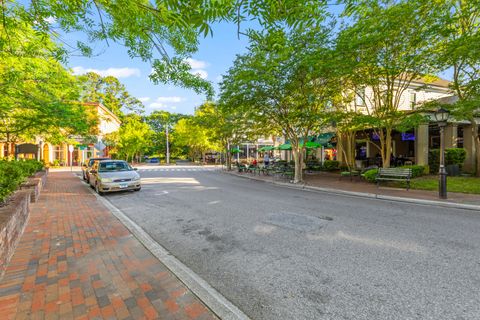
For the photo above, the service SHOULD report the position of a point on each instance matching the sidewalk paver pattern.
(77, 261)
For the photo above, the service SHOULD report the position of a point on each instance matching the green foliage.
(417, 170)
(110, 92)
(283, 83)
(37, 94)
(161, 32)
(159, 121)
(388, 45)
(370, 175)
(133, 138)
(452, 156)
(455, 156)
(13, 173)
(331, 165)
(194, 138)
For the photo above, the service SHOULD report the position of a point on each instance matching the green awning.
(235, 150)
(312, 145)
(323, 139)
(266, 148)
(285, 146)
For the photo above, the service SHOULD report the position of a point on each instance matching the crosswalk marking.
(176, 169)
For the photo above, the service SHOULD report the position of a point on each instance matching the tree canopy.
(38, 96)
(110, 92)
(164, 33)
(283, 84)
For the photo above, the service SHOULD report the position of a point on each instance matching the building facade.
(413, 146)
(59, 154)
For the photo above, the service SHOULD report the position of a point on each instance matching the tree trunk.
(7, 145)
(298, 158)
(477, 152)
(386, 148)
(228, 158)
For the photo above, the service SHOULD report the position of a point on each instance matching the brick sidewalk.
(77, 261)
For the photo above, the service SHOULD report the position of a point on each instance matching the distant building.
(59, 154)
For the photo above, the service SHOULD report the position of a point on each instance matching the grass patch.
(454, 184)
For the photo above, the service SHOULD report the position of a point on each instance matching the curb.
(453, 205)
(215, 301)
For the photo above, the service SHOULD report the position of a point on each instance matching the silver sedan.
(114, 175)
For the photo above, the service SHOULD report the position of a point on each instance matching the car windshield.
(107, 166)
(90, 163)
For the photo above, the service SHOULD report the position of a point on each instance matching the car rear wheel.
(138, 189)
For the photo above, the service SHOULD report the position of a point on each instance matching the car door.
(93, 174)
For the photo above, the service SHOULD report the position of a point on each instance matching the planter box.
(43, 176)
(34, 185)
(13, 218)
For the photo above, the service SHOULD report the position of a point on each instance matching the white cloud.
(50, 20)
(144, 99)
(115, 72)
(199, 72)
(157, 105)
(173, 99)
(196, 64)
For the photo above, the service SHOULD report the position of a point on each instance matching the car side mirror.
(135, 169)
(93, 171)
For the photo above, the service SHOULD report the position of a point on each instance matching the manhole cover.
(297, 221)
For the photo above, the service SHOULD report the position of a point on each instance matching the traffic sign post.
(100, 146)
(70, 149)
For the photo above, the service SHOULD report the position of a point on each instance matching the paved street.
(280, 253)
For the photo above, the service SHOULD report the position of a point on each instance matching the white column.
(421, 145)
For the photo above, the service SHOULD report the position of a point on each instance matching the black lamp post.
(441, 116)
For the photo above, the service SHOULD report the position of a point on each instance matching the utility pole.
(168, 147)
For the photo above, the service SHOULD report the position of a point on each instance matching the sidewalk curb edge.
(367, 195)
(214, 300)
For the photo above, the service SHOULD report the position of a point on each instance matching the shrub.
(331, 165)
(417, 170)
(370, 175)
(455, 156)
(13, 173)
(452, 156)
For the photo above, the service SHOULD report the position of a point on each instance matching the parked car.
(88, 165)
(114, 175)
(153, 160)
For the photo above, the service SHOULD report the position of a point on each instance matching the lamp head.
(442, 115)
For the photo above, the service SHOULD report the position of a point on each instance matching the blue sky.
(214, 57)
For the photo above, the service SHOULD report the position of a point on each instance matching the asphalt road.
(280, 253)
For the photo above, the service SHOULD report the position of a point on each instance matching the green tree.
(459, 22)
(38, 96)
(162, 122)
(283, 84)
(195, 138)
(110, 92)
(389, 45)
(227, 126)
(133, 138)
(161, 32)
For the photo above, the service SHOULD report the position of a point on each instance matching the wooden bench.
(394, 174)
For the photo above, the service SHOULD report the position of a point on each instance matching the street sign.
(70, 148)
(100, 146)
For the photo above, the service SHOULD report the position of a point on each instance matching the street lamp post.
(441, 115)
